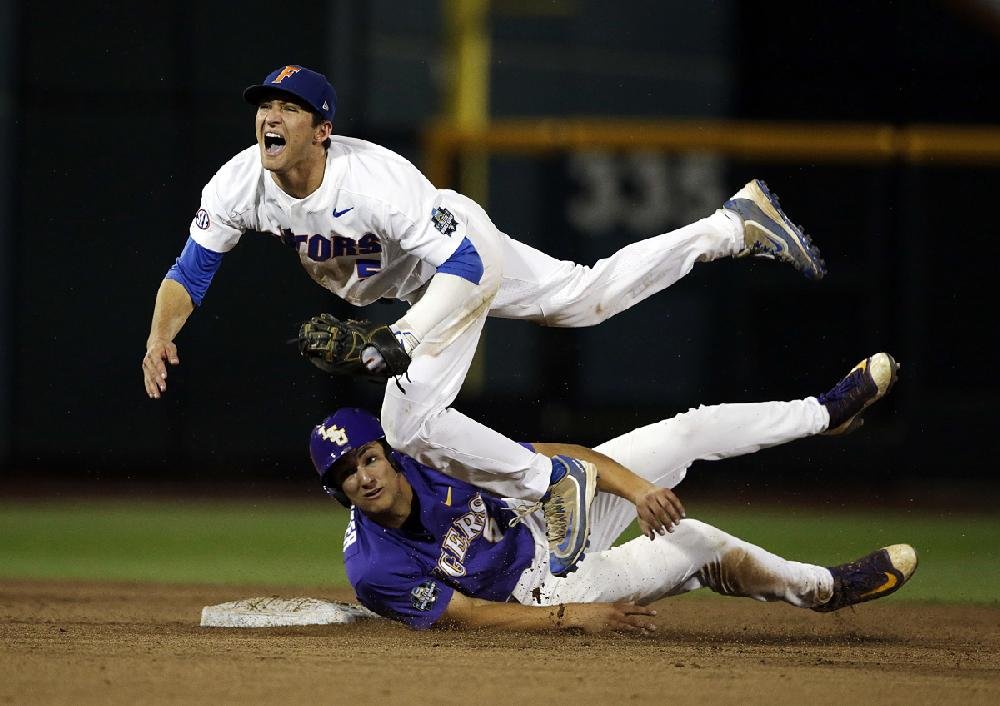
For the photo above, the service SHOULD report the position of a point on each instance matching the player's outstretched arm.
(658, 509)
(465, 612)
(173, 307)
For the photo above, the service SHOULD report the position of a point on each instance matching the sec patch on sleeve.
(201, 219)
(443, 220)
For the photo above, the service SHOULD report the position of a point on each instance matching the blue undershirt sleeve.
(464, 262)
(194, 269)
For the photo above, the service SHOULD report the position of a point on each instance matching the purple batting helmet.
(346, 430)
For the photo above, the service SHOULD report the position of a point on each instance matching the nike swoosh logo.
(338, 214)
(890, 583)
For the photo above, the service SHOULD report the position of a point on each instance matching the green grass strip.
(230, 542)
(300, 543)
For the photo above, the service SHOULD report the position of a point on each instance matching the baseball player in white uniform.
(366, 224)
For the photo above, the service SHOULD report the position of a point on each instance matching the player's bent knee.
(400, 423)
(408, 441)
(393, 437)
(408, 429)
(415, 437)
(696, 533)
(400, 436)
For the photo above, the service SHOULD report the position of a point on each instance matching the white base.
(272, 611)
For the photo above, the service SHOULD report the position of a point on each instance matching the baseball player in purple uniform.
(366, 225)
(427, 549)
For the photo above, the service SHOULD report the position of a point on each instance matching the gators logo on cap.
(286, 72)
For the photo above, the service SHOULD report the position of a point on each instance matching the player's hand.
(593, 618)
(154, 369)
(659, 511)
(372, 359)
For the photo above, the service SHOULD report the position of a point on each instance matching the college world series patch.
(423, 597)
(443, 220)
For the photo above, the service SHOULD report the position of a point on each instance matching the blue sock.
(558, 473)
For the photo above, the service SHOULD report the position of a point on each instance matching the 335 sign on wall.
(645, 192)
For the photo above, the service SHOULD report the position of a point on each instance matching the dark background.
(114, 118)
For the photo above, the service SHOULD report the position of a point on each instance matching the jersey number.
(367, 268)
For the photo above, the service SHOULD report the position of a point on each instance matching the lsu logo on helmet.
(333, 434)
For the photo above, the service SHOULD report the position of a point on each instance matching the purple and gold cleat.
(874, 576)
(867, 382)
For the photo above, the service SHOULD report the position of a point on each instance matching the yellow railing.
(771, 141)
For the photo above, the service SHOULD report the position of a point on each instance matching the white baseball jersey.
(376, 227)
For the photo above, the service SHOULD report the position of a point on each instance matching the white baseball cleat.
(567, 514)
(768, 232)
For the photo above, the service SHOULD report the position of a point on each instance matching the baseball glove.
(335, 346)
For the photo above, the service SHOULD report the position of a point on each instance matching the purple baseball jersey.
(463, 542)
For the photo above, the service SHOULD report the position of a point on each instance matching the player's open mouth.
(273, 143)
(372, 494)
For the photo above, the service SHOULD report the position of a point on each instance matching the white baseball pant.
(695, 554)
(524, 283)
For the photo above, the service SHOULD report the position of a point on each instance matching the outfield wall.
(121, 117)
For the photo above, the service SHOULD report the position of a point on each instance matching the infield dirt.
(89, 642)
